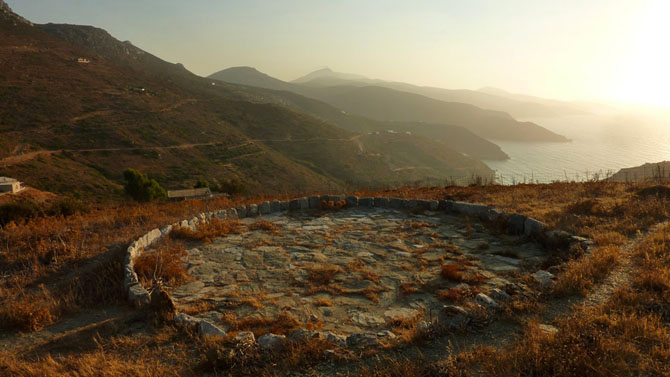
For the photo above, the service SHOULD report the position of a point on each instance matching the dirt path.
(21, 158)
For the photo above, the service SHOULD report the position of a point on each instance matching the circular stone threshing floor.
(349, 271)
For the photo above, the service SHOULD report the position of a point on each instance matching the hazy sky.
(570, 49)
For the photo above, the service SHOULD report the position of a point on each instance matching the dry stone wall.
(451, 316)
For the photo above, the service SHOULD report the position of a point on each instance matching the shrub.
(142, 189)
(207, 231)
(164, 264)
(231, 186)
(265, 225)
(67, 207)
(18, 211)
(202, 183)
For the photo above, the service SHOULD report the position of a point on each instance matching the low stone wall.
(451, 317)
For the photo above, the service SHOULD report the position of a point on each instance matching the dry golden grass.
(323, 302)
(323, 274)
(330, 205)
(78, 258)
(457, 272)
(283, 324)
(580, 275)
(164, 263)
(205, 232)
(408, 288)
(265, 225)
(452, 294)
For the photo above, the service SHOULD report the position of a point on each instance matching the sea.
(601, 144)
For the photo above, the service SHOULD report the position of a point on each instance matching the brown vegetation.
(163, 263)
(53, 267)
(207, 231)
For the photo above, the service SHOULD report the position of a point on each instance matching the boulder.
(386, 335)
(186, 320)
(533, 228)
(205, 328)
(412, 205)
(516, 224)
(396, 203)
(544, 278)
(271, 342)
(494, 215)
(433, 205)
(381, 202)
(294, 205)
(138, 296)
(264, 208)
(486, 301)
(231, 213)
(166, 230)
(303, 335)
(547, 329)
(352, 201)
(453, 317)
(275, 206)
(499, 294)
(477, 211)
(337, 339)
(366, 202)
(444, 205)
(362, 340)
(284, 205)
(252, 210)
(315, 202)
(241, 212)
(245, 338)
(423, 328)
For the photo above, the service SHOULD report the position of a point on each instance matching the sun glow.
(643, 77)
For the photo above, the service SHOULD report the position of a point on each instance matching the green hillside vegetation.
(74, 127)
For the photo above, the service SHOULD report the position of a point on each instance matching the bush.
(67, 207)
(18, 211)
(139, 187)
(202, 183)
(231, 186)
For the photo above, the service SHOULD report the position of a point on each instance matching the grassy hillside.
(456, 138)
(74, 127)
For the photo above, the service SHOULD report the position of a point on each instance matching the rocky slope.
(80, 106)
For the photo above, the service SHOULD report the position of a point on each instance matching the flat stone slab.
(350, 271)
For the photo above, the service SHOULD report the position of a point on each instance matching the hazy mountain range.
(386, 104)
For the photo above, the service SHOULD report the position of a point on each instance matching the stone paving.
(385, 265)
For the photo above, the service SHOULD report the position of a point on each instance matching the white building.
(10, 185)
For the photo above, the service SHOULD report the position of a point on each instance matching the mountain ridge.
(385, 104)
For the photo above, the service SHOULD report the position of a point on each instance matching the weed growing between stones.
(268, 226)
(163, 263)
(207, 231)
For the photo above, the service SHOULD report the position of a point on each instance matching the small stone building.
(204, 192)
(10, 185)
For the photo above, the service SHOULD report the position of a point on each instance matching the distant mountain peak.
(8, 14)
(328, 73)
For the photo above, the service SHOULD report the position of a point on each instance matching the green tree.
(202, 183)
(139, 187)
